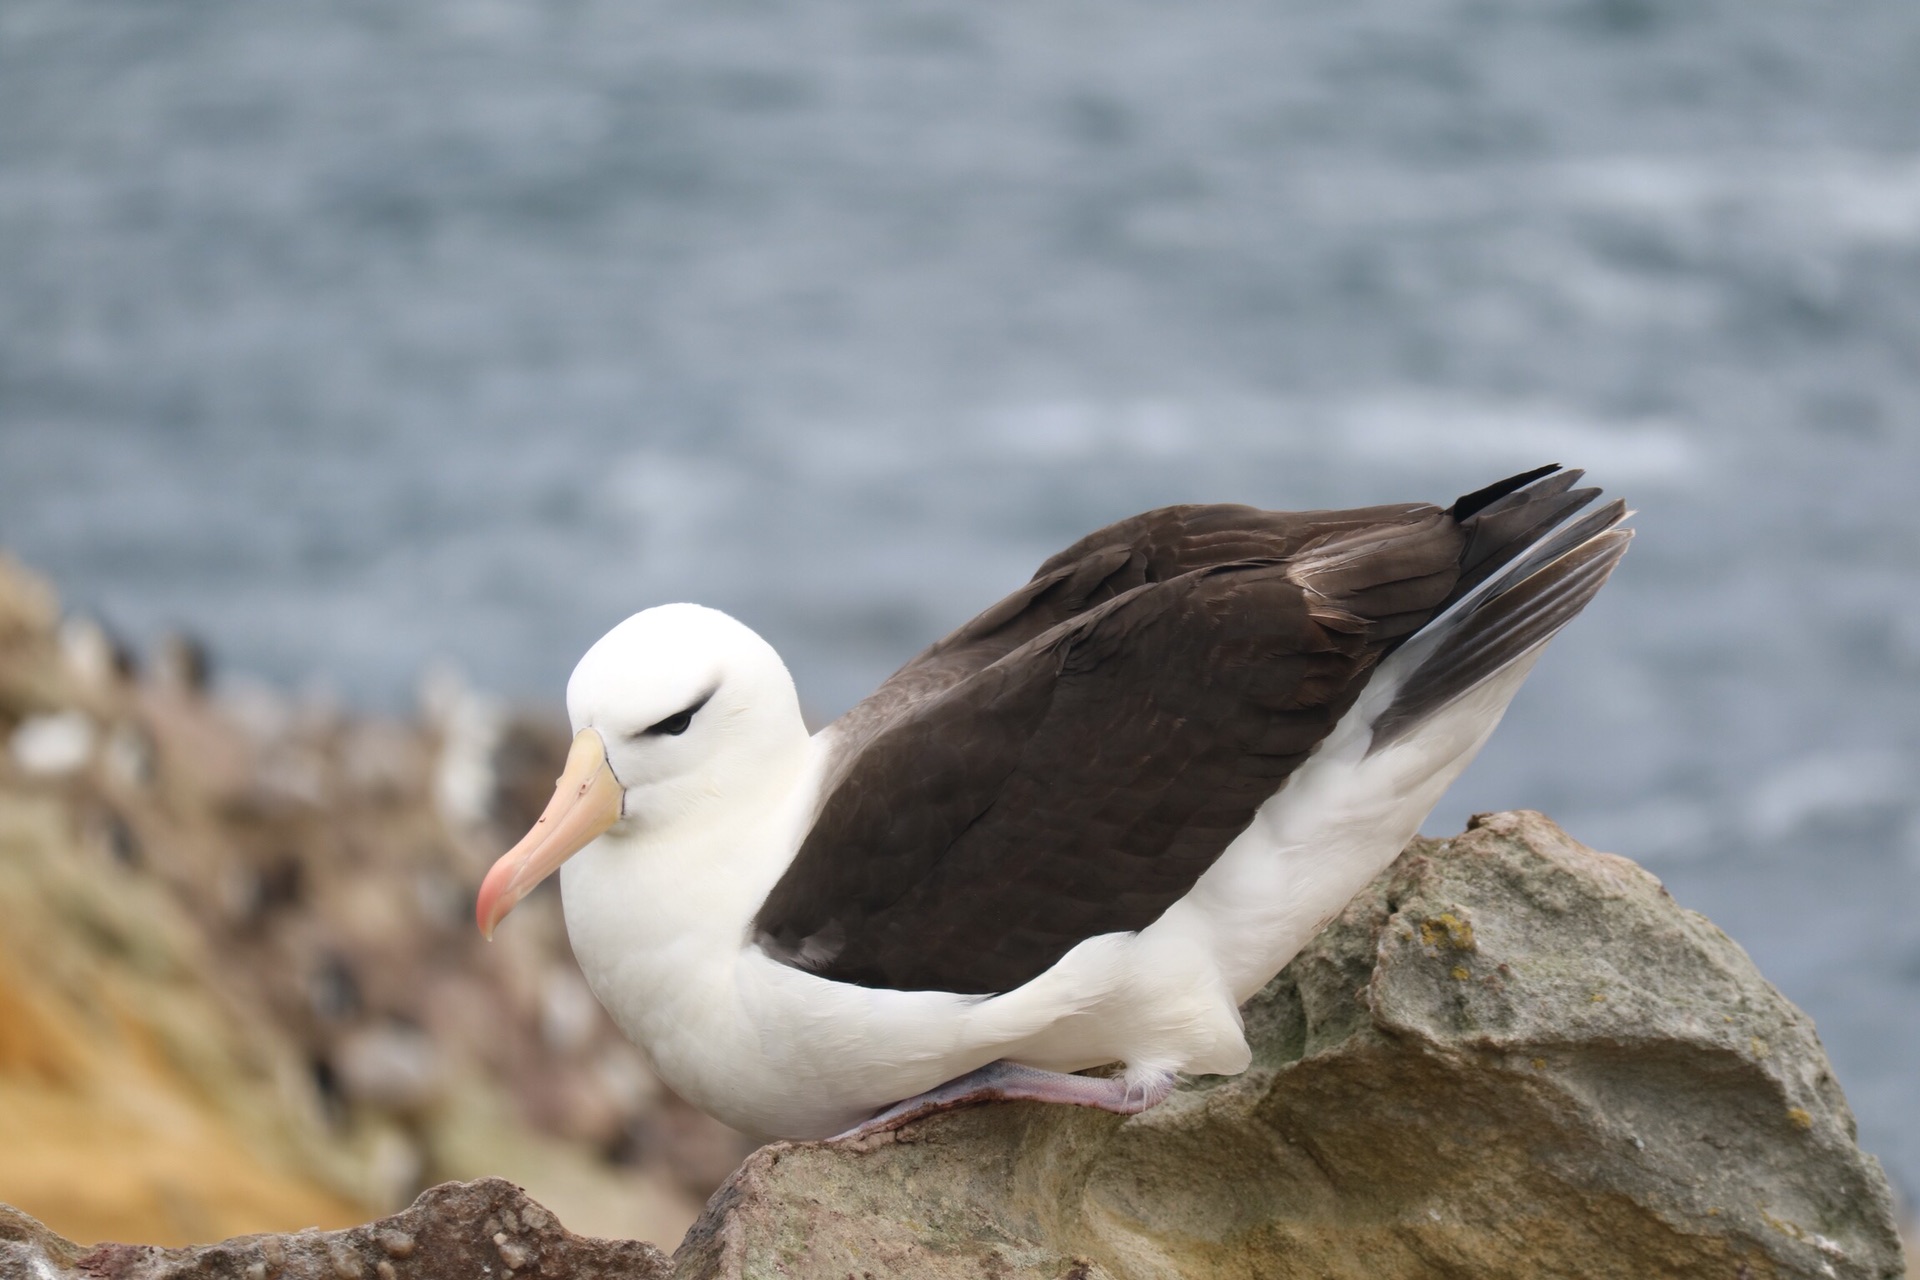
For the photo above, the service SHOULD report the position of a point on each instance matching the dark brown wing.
(1154, 547)
(1161, 545)
(1070, 762)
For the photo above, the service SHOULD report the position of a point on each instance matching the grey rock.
(29, 1249)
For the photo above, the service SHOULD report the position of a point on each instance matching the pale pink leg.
(1127, 1094)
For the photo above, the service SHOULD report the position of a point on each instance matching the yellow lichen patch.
(1801, 1119)
(1539, 1064)
(1598, 997)
(1783, 1226)
(1459, 973)
(1449, 929)
(1759, 1047)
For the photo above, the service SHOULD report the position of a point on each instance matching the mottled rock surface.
(1510, 1056)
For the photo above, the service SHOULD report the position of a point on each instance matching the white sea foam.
(1828, 784)
(1067, 430)
(1847, 196)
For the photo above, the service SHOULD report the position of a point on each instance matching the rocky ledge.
(466, 1229)
(1510, 1056)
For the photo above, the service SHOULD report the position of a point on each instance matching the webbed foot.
(1127, 1094)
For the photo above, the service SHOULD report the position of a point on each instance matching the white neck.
(658, 909)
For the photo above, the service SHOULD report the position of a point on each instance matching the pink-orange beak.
(586, 801)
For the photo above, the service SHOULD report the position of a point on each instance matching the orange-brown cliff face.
(239, 986)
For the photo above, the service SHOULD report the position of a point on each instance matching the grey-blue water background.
(356, 335)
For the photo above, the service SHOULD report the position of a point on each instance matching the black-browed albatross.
(1082, 829)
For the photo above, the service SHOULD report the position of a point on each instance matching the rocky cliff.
(1510, 1056)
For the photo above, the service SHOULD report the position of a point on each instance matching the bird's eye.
(674, 724)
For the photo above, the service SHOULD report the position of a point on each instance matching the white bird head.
(675, 711)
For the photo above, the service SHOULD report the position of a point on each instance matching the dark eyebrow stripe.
(689, 711)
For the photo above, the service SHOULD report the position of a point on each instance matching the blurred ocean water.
(360, 336)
